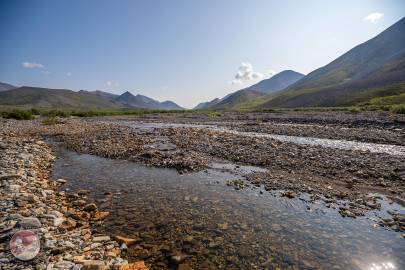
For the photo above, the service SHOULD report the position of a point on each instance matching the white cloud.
(109, 83)
(373, 17)
(68, 74)
(246, 73)
(32, 65)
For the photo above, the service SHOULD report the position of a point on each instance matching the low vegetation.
(17, 114)
(398, 109)
(52, 114)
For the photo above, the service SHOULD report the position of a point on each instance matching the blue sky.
(187, 51)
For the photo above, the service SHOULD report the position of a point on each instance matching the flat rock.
(103, 238)
(7, 225)
(125, 240)
(93, 265)
(30, 223)
(134, 266)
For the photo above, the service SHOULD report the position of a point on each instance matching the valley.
(234, 190)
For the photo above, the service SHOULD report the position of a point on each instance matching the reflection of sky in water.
(286, 224)
(382, 266)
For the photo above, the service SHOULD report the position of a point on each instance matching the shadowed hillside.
(374, 68)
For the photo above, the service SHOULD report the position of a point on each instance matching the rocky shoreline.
(29, 200)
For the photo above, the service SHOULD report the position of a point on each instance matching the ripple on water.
(218, 227)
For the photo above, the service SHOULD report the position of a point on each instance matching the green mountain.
(277, 82)
(207, 104)
(375, 68)
(62, 98)
(234, 100)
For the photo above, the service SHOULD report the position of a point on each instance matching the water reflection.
(218, 227)
(382, 266)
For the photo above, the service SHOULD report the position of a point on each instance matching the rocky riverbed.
(350, 183)
(63, 222)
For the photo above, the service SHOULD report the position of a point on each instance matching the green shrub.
(398, 109)
(18, 114)
(214, 114)
(56, 113)
(51, 121)
(35, 111)
(354, 110)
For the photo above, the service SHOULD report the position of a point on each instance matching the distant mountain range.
(234, 100)
(63, 98)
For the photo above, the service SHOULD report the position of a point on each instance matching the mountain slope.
(45, 97)
(373, 68)
(140, 101)
(6, 86)
(207, 104)
(277, 82)
(170, 105)
(234, 100)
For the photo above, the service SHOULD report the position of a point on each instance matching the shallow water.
(222, 228)
(330, 143)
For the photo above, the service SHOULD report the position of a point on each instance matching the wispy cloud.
(32, 65)
(68, 74)
(112, 84)
(373, 17)
(246, 73)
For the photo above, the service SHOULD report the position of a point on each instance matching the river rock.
(61, 181)
(30, 223)
(103, 238)
(134, 266)
(93, 265)
(90, 207)
(184, 266)
(7, 225)
(125, 240)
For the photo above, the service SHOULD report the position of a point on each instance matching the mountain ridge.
(277, 82)
(65, 98)
(374, 68)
